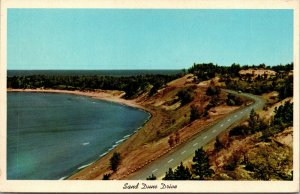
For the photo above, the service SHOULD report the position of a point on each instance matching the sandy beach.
(108, 95)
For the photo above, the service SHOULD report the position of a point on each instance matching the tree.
(106, 176)
(169, 175)
(213, 90)
(152, 177)
(218, 144)
(185, 96)
(284, 115)
(201, 167)
(239, 130)
(115, 160)
(195, 113)
(180, 173)
(254, 121)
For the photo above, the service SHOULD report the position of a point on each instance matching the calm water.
(117, 73)
(52, 135)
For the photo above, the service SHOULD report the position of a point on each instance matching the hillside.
(262, 155)
(169, 126)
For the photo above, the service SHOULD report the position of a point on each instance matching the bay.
(50, 136)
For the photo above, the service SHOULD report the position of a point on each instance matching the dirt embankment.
(169, 119)
(257, 72)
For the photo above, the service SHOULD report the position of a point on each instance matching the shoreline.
(105, 95)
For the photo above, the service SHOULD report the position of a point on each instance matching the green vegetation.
(213, 91)
(233, 100)
(152, 177)
(283, 118)
(136, 85)
(132, 85)
(185, 96)
(282, 82)
(218, 145)
(269, 162)
(195, 113)
(180, 173)
(267, 159)
(200, 169)
(115, 161)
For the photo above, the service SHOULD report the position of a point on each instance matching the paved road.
(160, 167)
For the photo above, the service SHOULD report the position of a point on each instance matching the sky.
(146, 38)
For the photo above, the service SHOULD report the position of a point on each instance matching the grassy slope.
(168, 118)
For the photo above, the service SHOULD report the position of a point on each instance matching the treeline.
(132, 85)
(282, 82)
(206, 71)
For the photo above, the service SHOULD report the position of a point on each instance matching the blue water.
(50, 136)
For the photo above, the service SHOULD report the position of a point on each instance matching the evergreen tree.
(284, 115)
(182, 173)
(152, 177)
(201, 167)
(115, 160)
(254, 121)
(169, 175)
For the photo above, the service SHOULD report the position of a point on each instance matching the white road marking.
(222, 125)
(195, 144)
(183, 152)
(154, 170)
(205, 137)
(170, 160)
(228, 120)
(242, 112)
(235, 115)
(214, 131)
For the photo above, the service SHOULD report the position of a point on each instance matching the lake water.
(50, 136)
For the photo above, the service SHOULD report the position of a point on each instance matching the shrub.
(115, 160)
(239, 130)
(185, 96)
(152, 177)
(106, 177)
(212, 90)
(195, 113)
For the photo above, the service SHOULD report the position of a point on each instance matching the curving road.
(160, 167)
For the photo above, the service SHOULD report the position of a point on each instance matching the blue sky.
(146, 39)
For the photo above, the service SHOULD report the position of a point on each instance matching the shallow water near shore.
(50, 136)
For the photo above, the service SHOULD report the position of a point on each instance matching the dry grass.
(151, 141)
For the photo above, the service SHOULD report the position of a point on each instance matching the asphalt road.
(160, 167)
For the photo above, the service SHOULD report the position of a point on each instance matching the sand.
(108, 95)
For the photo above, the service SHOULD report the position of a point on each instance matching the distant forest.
(135, 85)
